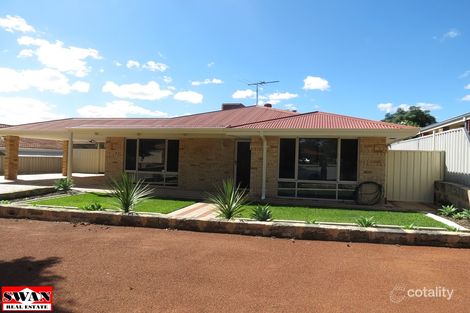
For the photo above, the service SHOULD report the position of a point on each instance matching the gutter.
(263, 179)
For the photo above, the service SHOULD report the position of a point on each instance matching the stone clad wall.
(205, 162)
(11, 160)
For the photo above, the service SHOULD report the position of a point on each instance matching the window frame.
(297, 181)
(164, 172)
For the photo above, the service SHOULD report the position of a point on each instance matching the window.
(287, 158)
(317, 159)
(153, 160)
(324, 168)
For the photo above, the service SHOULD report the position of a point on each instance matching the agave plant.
(95, 206)
(464, 214)
(229, 199)
(261, 213)
(63, 184)
(128, 194)
(366, 221)
(448, 210)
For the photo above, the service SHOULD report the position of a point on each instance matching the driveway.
(97, 268)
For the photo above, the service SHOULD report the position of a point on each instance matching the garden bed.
(81, 200)
(309, 214)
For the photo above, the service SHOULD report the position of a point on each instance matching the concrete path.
(199, 210)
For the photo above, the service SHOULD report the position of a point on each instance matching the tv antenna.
(261, 83)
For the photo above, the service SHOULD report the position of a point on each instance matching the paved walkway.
(199, 210)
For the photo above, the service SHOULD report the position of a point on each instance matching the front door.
(242, 164)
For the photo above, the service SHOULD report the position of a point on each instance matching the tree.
(414, 116)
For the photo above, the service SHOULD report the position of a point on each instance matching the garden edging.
(253, 228)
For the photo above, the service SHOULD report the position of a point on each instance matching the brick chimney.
(231, 106)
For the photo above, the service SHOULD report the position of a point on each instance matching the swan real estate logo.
(27, 298)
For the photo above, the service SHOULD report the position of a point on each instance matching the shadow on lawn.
(27, 271)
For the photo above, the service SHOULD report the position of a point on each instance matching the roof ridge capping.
(369, 120)
(295, 114)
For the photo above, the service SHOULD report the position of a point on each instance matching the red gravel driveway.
(123, 269)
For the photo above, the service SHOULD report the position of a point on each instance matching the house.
(451, 136)
(274, 153)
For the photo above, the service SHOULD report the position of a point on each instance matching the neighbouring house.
(274, 153)
(34, 147)
(451, 136)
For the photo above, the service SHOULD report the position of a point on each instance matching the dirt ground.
(123, 269)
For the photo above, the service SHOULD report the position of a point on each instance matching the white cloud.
(290, 107)
(244, 94)
(43, 80)
(70, 59)
(465, 74)
(316, 83)
(452, 33)
(466, 98)
(189, 96)
(167, 79)
(391, 108)
(467, 86)
(207, 81)
(20, 110)
(117, 63)
(118, 108)
(150, 91)
(25, 53)
(210, 64)
(282, 96)
(15, 24)
(132, 64)
(155, 66)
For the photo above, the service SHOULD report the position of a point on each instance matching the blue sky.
(166, 58)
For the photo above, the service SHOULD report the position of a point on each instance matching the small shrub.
(366, 221)
(262, 213)
(5, 202)
(95, 206)
(229, 199)
(410, 226)
(451, 228)
(128, 194)
(63, 184)
(312, 221)
(448, 210)
(464, 214)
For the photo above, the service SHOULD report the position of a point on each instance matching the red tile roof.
(256, 117)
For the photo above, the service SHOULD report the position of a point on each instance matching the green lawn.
(347, 216)
(79, 200)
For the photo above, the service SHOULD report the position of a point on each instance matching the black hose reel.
(368, 193)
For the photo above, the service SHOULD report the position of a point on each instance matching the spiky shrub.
(451, 228)
(464, 214)
(262, 213)
(63, 184)
(229, 199)
(95, 206)
(448, 210)
(129, 194)
(312, 221)
(410, 226)
(366, 221)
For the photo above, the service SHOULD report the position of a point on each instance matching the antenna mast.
(261, 83)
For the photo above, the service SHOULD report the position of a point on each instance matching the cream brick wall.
(257, 166)
(11, 160)
(205, 162)
(114, 156)
(372, 158)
